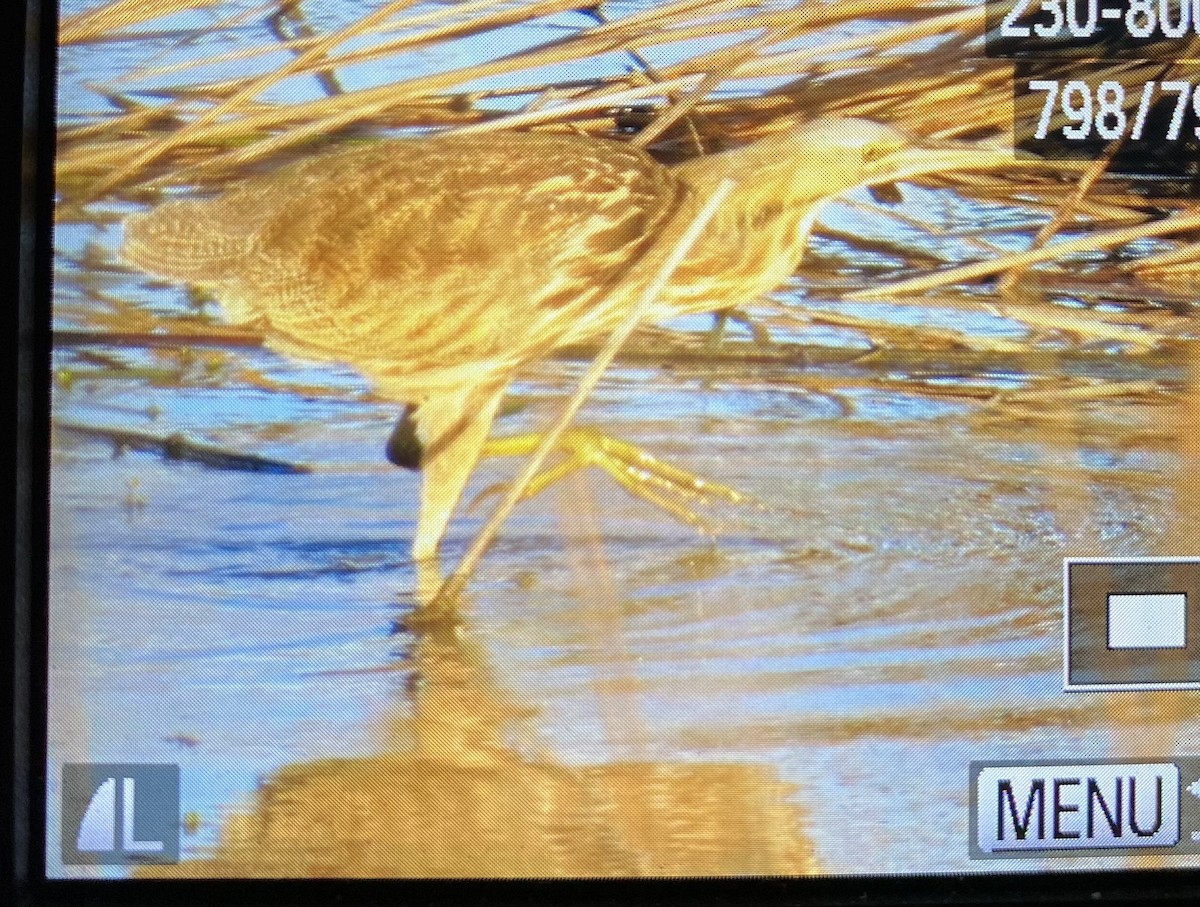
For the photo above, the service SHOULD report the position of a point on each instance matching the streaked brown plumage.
(438, 266)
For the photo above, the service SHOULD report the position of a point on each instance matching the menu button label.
(1073, 807)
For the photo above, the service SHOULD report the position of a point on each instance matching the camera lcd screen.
(655, 439)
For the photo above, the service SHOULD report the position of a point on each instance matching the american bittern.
(439, 266)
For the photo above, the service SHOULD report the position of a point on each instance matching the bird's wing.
(440, 256)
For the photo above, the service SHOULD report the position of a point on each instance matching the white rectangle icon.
(1075, 807)
(1147, 621)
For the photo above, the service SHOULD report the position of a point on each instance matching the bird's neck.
(747, 251)
(773, 195)
(734, 162)
(757, 238)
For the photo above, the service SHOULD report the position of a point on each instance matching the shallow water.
(889, 612)
(828, 659)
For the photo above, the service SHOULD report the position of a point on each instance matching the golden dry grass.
(202, 133)
(914, 65)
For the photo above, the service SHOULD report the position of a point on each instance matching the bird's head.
(843, 152)
(826, 156)
(858, 152)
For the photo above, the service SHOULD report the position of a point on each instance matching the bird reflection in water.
(458, 792)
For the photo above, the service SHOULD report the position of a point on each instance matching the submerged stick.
(177, 447)
(215, 336)
(456, 582)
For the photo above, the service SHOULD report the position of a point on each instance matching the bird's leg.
(675, 490)
(716, 336)
(722, 317)
(442, 438)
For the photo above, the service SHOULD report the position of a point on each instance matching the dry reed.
(710, 74)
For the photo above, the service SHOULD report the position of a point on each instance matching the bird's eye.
(873, 153)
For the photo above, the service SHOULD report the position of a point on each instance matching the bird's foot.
(675, 490)
(431, 618)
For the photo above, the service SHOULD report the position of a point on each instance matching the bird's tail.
(183, 241)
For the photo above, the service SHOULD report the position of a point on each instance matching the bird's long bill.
(923, 159)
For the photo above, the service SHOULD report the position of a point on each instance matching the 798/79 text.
(1100, 111)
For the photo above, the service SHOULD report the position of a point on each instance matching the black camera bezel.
(29, 79)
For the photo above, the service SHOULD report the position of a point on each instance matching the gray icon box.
(1131, 624)
(120, 814)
